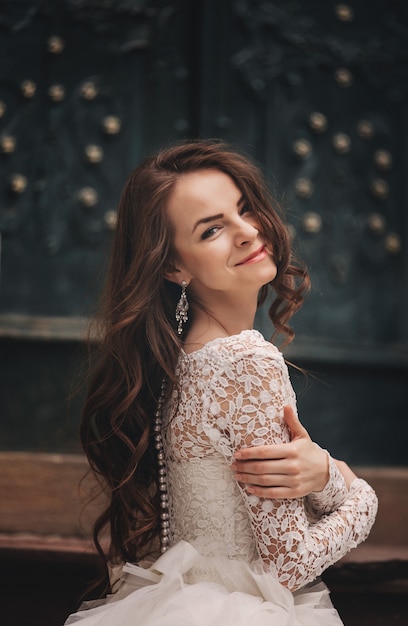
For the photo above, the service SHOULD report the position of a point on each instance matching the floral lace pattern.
(231, 394)
(331, 497)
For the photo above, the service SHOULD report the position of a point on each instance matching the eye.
(245, 209)
(209, 232)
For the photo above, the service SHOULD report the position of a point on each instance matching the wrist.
(347, 473)
(324, 474)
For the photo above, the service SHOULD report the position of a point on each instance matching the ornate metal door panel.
(326, 114)
(75, 96)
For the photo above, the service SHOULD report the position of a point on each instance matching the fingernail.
(237, 455)
(250, 490)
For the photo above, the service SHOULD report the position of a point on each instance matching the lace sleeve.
(331, 497)
(244, 407)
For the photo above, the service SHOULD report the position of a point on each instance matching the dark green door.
(316, 92)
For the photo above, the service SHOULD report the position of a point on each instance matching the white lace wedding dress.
(236, 559)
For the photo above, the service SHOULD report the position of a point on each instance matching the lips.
(253, 256)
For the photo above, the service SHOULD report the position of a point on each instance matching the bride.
(183, 385)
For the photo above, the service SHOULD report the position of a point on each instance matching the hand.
(286, 470)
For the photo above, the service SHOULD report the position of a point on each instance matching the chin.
(268, 279)
(272, 274)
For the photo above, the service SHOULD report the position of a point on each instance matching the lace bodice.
(231, 394)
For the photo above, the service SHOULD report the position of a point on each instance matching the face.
(217, 246)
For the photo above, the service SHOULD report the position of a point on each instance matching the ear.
(172, 274)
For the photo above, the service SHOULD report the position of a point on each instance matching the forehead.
(201, 191)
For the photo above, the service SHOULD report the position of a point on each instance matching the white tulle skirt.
(179, 590)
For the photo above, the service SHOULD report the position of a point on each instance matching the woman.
(183, 385)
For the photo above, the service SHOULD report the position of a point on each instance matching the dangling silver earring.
(182, 308)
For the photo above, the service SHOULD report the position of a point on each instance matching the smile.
(255, 257)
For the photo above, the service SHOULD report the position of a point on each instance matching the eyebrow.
(211, 218)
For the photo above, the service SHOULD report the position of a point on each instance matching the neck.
(222, 318)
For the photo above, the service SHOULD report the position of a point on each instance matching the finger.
(267, 480)
(277, 451)
(293, 423)
(278, 493)
(277, 466)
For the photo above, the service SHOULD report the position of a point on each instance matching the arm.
(247, 409)
(285, 470)
(292, 470)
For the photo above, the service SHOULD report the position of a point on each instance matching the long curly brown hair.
(138, 344)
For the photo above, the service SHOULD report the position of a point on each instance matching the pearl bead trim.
(164, 499)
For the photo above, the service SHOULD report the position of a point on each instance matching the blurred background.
(316, 92)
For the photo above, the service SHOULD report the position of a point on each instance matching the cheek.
(188, 260)
(202, 260)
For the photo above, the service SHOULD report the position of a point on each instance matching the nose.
(246, 233)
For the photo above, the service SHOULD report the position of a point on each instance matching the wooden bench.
(45, 547)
